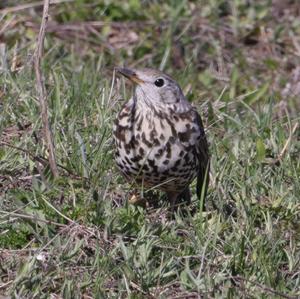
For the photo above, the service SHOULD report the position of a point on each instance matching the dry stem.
(42, 90)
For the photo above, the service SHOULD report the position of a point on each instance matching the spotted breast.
(159, 137)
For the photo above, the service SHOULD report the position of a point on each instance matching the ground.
(77, 236)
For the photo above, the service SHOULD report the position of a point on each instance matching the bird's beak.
(130, 74)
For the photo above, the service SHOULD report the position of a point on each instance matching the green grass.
(76, 236)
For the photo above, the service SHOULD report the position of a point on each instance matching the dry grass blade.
(282, 153)
(42, 90)
(30, 217)
(20, 7)
(265, 288)
(5, 285)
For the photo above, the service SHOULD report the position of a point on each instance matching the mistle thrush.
(159, 137)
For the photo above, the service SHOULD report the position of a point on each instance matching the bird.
(159, 137)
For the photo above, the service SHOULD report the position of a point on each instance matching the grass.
(76, 236)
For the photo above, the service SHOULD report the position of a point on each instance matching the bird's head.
(154, 88)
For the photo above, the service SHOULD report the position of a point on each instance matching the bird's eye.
(159, 82)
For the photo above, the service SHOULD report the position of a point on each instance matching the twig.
(264, 287)
(6, 284)
(191, 295)
(7, 24)
(30, 217)
(16, 8)
(42, 90)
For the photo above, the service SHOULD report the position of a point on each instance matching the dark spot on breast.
(120, 132)
(141, 151)
(121, 116)
(186, 158)
(177, 163)
(161, 114)
(172, 140)
(119, 164)
(169, 150)
(153, 165)
(162, 137)
(186, 115)
(134, 168)
(173, 130)
(127, 160)
(156, 142)
(126, 169)
(137, 116)
(184, 136)
(148, 143)
(153, 134)
(136, 158)
(127, 172)
(166, 172)
(174, 168)
(166, 162)
(171, 111)
(145, 167)
(133, 142)
(159, 153)
(139, 124)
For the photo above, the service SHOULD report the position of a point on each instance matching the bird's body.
(159, 137)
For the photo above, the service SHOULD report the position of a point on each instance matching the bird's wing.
(203, 157)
